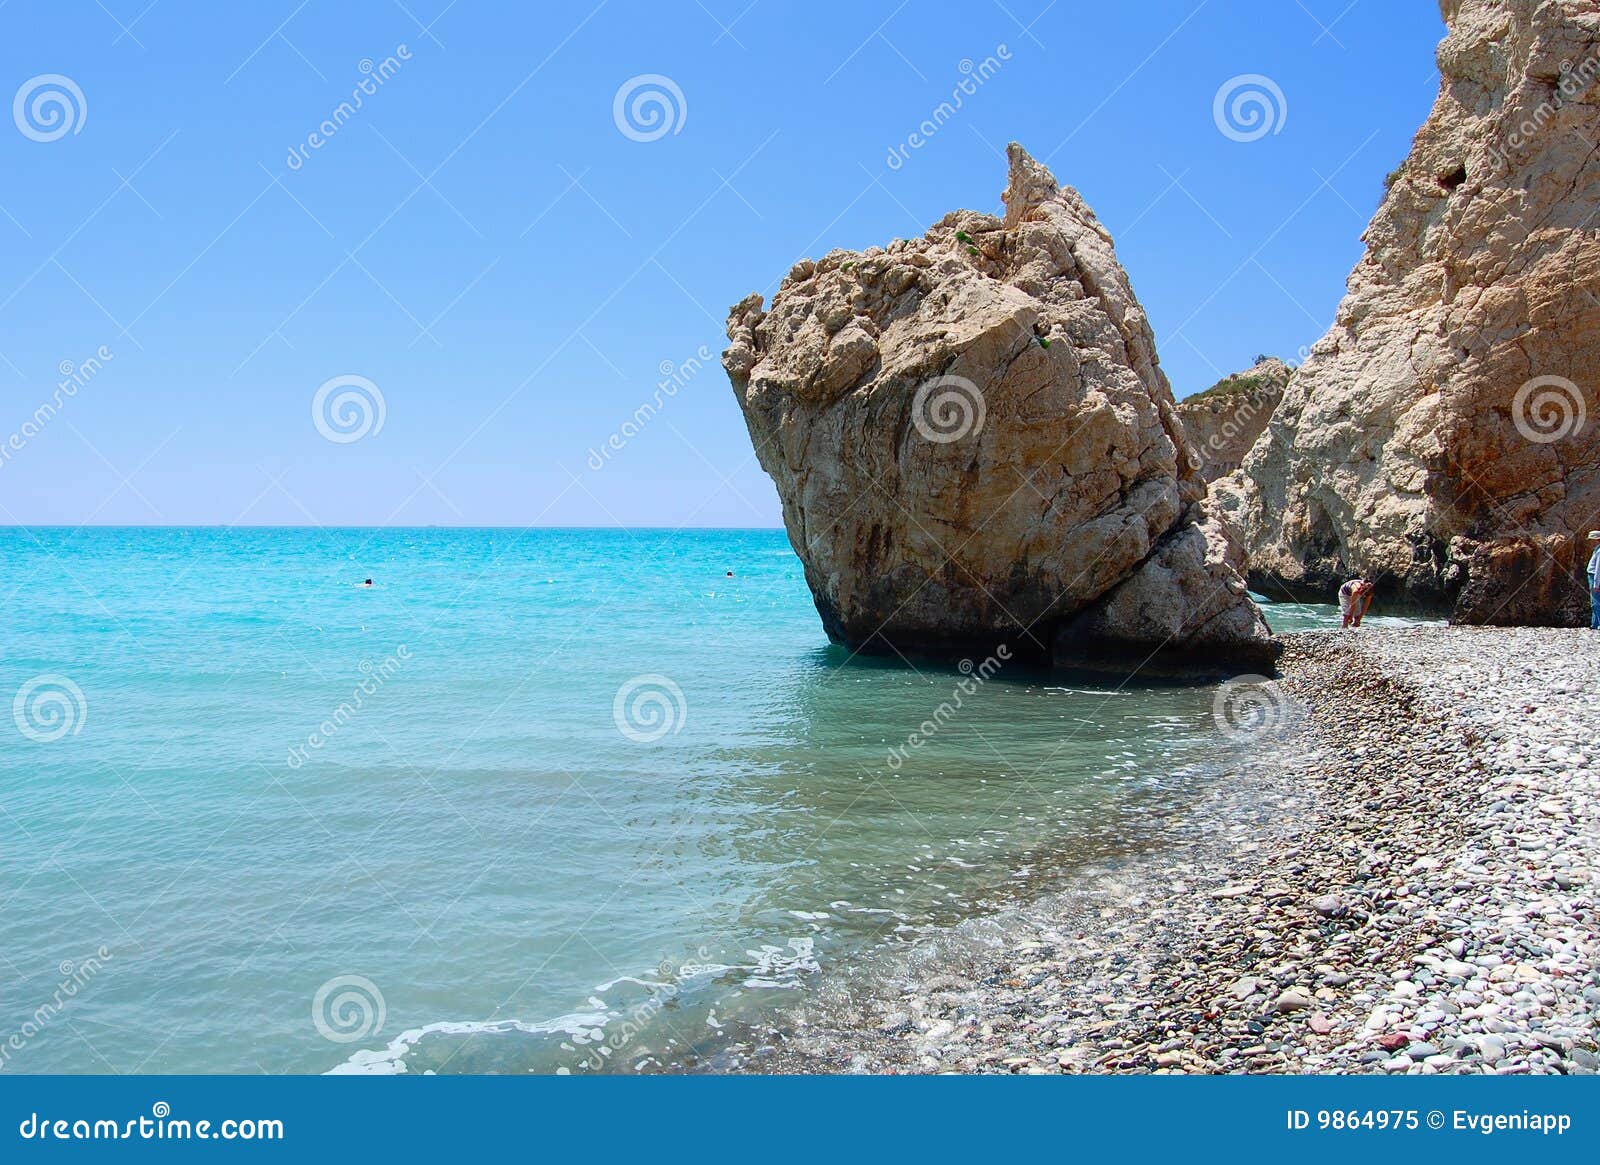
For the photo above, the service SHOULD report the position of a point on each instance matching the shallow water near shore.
(536, 801)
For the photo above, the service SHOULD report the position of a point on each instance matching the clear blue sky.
(483, 243)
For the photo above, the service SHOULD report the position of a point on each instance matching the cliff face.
(973, 444)
(1441, 438)
(1224, 421)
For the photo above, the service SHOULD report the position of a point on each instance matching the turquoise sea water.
(537, 800)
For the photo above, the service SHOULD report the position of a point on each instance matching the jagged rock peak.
(1028, 185)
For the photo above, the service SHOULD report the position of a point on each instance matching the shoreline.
(1402, 881)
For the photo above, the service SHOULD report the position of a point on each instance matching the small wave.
(780, 966)
(769, 967)
(647, 984)
(390, 1059)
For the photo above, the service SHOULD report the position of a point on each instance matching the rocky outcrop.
(1225, 420)
(1441, 438)
(974, 445)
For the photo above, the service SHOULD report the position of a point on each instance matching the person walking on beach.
(1354, 599)
(1594, 581)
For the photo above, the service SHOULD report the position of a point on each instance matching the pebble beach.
(1400, 878)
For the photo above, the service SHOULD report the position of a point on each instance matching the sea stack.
(1441, 438)
(974, 445)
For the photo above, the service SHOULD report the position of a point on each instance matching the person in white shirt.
(1354, 599)
(1594, 581)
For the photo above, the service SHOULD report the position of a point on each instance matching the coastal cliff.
(1441, 438)
(1225, 420)
(974, 444)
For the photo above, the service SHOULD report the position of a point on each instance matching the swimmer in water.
(368, 583)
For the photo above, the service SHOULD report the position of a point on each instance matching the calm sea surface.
(537, 800)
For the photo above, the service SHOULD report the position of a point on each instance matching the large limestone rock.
(1225, 420)
(1441, 438)
(974, 445)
